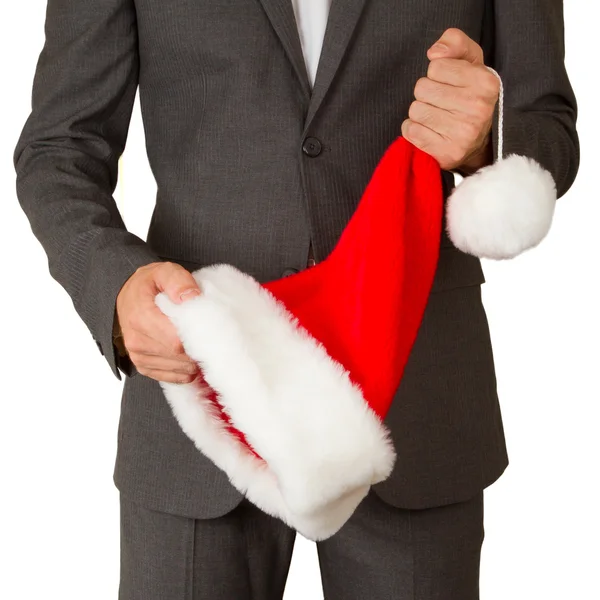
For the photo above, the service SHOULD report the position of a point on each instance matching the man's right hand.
(149, 337)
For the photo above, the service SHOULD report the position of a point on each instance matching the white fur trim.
(323, 446)
(502, 209)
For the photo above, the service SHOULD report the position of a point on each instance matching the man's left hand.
(451, 118)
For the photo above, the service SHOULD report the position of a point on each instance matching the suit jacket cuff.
(105, 282)
(544, 136)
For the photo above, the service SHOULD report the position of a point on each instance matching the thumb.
(455, 43)
(178, 283)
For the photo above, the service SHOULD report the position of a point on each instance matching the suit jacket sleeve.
(66, 159)
(527, 49)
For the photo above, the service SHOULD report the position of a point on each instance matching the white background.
(60, 403)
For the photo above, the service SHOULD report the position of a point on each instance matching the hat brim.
(311, 446)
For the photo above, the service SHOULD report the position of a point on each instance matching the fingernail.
(191, 293)
(437, 47)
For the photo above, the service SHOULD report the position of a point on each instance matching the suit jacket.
(251, 168)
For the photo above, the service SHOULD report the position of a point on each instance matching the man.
(260, 159)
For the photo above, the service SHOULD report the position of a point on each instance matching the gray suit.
(251, 168)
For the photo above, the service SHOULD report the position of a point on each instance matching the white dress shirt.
(311, 18)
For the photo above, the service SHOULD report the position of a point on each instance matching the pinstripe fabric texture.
(226, 107)
(381, 553)
(243, 555)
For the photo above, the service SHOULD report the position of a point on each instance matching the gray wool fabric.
(382, 553)
(227, 109)
(251, 168)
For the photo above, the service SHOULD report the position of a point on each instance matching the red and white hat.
(298, 374)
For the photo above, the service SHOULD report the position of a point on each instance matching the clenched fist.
(451, 117)
(148, 336)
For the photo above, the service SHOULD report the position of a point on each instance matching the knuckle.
(456, 38)
(133, 343)
(442, 68)
(166, 266)
(435, 68)
(469, 132)
(175, 346)
(476, 51)
(454, 34)
(172, 377)
(489, 83)
(413, 110)
(191, 368)
(173, 268)
(481, 108)
(169, 273)
(411, 130)
(422, 87)
(420, 112)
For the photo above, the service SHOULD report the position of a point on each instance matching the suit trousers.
(381, 553)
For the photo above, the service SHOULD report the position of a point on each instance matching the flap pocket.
(456, 269)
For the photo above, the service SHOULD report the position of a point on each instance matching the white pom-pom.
(503, 209)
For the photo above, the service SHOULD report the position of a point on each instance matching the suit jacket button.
(289, 272)
(312, 147)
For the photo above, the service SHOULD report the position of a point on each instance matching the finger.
(453, 71)
(436, 119)
(166, 376)
(448, 97)
(447, 154)
(178, 283)
(153, 333)
(455, 43)
(141, 344)
(443, 122)
(160, 363)
(420, 136)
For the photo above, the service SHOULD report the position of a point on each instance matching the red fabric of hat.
(365, 302)
(299, 373)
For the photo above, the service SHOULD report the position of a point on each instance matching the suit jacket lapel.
(342, 20)
(281, 15)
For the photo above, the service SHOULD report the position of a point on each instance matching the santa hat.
(297, 374)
